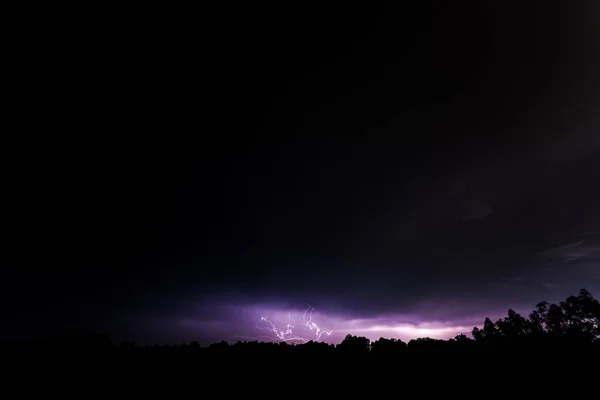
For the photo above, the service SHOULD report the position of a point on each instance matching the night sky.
(176, 175)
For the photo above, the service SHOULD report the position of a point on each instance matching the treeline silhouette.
(573, 324)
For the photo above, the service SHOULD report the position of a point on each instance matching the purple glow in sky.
(295, 332)
(270, 323)
(234, 317)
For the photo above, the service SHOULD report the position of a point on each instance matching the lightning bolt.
(287, 334)
(311, 325)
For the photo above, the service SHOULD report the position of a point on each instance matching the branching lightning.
(287, 334)
(311, 325)
(284, 335)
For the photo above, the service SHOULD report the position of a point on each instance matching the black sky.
(421, 158)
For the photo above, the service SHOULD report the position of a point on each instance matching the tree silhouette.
(387, 346)
(354, 345)
(513, 326)
(538, 319)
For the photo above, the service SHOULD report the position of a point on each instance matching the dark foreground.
(552, 353)
(556, 343)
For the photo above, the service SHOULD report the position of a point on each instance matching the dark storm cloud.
(478, 210)
(233, 322)
(418, 268)
(571, 252)
(517, 178)
(561, 270)
(415, 207)
(438, 310)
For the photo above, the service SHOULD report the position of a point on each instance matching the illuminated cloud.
(572, 252)
(267, 323)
